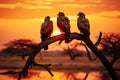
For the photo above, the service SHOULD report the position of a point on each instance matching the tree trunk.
(102, 58)
(77, 36)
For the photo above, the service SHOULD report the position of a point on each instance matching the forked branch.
(77, 36)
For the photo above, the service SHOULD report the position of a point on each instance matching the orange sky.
(22, 18)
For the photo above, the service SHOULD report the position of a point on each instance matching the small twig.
(85, 78)
(99, 39)
(46, 66)
(60, 41)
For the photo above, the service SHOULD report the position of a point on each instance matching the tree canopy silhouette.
(110, 44)
(18, 47)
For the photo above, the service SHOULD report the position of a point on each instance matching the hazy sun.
(56, 32)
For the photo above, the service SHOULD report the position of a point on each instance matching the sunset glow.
(56, 32)
(23, 18)
(44, 75)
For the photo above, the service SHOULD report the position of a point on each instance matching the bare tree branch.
(99, 39)
(46, 66)
(48, 41)
(86, 76)
(102, 58)
(77, 36)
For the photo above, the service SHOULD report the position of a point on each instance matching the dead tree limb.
(45, 66)
(77, 36)
(48, 41)
(96, 44)
(99, 39)
(85, 78)
(102, 58)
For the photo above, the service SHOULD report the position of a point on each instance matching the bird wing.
(49, 28)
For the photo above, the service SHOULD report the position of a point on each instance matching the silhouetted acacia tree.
(17, 48)
(110, 45)
(73, 52)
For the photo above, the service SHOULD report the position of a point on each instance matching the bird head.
(81, 14)
(61, 14)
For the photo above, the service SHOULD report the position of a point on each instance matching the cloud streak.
(111, 14)
(25, 6)
(107, 14)
(36, 4)
(79, 6)
(32, 8)
(96, 1)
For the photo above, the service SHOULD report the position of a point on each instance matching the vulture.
(46, 29)
(83, 24)
(63, 24)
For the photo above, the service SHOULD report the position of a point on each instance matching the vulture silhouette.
(83, 24)
(63, 24)
(46, 29)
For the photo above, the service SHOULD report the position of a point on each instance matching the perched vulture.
(46, 29)
(63, 24)
(83, 24)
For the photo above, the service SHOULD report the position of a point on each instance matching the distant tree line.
(109, 45)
